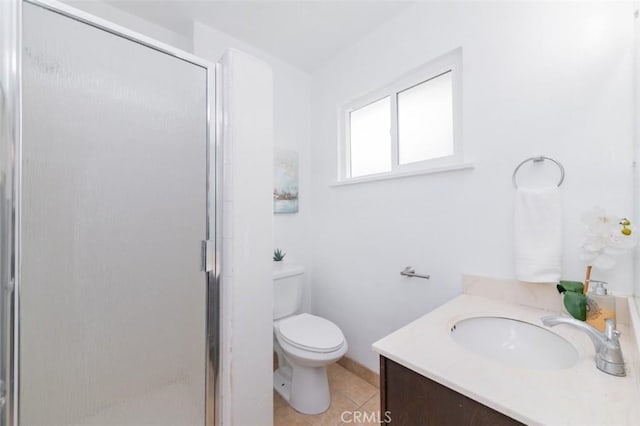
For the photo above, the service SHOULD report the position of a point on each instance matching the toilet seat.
(310, 333)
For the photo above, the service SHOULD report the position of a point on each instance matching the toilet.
(305, 345)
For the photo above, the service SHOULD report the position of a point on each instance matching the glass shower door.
(114, 198)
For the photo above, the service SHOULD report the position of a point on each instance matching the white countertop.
(580, 395)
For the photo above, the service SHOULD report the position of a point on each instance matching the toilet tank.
(287, 289)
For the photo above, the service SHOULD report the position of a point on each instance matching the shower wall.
(246, 313)
(114, 200)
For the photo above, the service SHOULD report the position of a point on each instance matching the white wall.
(636, 111)
(291, 130)
(132, 22)
(247, 294)
(538, 78)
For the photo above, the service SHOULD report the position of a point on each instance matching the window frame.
(449, 62)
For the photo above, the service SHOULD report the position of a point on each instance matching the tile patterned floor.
(357, 399)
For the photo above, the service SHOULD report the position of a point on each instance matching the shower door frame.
(11, 187)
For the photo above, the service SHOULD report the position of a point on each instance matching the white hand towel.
(538, 235)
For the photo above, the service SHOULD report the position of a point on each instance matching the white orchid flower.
(604, 238)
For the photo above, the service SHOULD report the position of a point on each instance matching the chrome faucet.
(608, 352)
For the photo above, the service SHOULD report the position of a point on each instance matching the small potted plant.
(278, 255)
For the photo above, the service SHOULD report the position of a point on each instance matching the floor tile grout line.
(350, 376)
(368, 400)
(354, 401)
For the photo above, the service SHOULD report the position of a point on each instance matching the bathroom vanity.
(429, 378)
(412, 399)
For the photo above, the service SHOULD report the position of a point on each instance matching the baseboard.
(360, 370)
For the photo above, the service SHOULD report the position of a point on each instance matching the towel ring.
(537, 160)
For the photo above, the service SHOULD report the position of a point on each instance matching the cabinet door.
(413, 400)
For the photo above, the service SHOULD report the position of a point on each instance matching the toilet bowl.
(305, 345)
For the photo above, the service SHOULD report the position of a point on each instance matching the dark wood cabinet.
(409, 399)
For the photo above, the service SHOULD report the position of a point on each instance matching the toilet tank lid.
(284, 270)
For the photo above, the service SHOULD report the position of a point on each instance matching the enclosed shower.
(108, 204)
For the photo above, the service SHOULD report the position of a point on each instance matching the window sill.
(397, 175)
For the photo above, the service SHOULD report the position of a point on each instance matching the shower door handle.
(208, 255)
(3, 394)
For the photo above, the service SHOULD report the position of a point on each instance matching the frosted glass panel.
(114, 198)
(370, 138)
(425, 120)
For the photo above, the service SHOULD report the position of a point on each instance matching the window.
(370, 138)
(409, 127)
(425, 120)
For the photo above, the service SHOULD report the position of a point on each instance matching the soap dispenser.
(600, 305)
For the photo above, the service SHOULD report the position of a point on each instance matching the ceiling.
(303, 33)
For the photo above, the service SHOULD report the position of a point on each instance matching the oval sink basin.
(515, 343)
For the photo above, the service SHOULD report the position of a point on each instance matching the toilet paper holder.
(410, 272)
